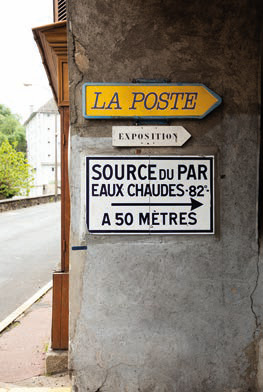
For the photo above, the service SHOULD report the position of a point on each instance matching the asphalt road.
(30, 251)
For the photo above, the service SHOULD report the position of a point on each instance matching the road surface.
(30, 251)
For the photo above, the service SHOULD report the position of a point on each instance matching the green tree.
(15, 173)
(11, 129)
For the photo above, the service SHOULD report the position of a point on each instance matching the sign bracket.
(139, 122)
(144, 81)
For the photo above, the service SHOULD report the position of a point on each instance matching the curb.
(21, 309)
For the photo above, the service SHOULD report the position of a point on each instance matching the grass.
(46, 347)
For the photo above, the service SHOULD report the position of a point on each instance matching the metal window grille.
(60, 10)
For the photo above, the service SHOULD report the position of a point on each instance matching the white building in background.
(43, 139)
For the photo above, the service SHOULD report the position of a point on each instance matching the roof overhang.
(52, 44)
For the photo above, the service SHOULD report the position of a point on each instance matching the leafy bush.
(15, 173)
(11, 129)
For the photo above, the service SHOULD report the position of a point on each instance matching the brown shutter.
(60, 10)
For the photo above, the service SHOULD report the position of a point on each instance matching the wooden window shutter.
(60, 10)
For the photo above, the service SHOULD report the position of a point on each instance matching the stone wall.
(23, 202)
(169, 313)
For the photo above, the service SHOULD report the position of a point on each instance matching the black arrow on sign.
(194, 204)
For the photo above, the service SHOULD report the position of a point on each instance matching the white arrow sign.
(157, 136)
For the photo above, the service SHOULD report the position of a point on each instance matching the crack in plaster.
(103, 383)
(257, 324)
(99, 389)
(74, 119)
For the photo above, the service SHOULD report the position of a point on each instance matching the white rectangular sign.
(150, 195)
(158, 136)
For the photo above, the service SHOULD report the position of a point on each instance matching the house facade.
(43, 148)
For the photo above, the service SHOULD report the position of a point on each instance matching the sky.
(20, 60)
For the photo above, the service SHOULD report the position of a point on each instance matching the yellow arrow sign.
(148, 101)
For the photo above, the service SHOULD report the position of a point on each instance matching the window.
(60, 10)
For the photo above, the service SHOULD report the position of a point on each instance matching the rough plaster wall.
(177, 313)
